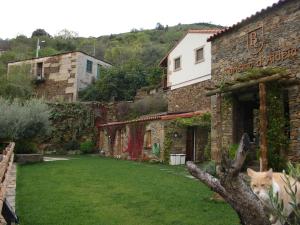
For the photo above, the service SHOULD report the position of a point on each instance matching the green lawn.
(102, 191)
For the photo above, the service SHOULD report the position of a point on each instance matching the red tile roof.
(246, 20)
(161, 116)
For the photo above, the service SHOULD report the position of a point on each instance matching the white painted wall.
(84, 78)
(190, 72)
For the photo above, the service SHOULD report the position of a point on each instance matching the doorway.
(246, 116)
(190, 144)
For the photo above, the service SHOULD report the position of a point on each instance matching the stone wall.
(121, 140)
(275, 43)
(59, 76)
(63, 74)
(189, 98)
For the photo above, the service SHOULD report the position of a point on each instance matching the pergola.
(238, 85)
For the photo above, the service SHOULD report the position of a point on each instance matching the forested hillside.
(135, 55)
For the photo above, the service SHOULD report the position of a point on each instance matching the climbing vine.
(71, 123)
(136, 140)
(278, 140)
(203, 121)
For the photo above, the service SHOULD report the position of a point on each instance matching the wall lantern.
(177, 135)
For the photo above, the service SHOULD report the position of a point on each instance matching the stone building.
(187, 76)
(143, 138)
(61, 76)
(249, 59)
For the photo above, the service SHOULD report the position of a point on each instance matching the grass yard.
(101, 191)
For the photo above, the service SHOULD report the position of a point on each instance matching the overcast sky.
(104, 17)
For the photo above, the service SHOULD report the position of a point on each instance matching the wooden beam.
(246, 84)
(263, 127)
(218, 156)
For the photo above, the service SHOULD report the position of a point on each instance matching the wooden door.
(190, 141)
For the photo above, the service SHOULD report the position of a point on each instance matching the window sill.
(176, 70)
(200, 61)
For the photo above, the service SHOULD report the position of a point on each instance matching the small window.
(177, 63)
(98, 70)
(89, 66)
(39, 70)
(199, 55)
(148, 141)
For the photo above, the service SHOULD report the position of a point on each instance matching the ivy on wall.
(203, 121)
(72, 123)
(278, 140)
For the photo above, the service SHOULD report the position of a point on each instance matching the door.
(190, 144)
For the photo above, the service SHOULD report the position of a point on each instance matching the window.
(98, 70)
(177, 63)
(89, 66)
(148, 142)
(199, 55)
(39, 70)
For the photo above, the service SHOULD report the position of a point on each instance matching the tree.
(67, 34)
(17, 84)
(231, 186)
(21, 120)
(159, 26)
(121, 82)
(40, 32)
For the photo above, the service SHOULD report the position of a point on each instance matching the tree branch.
(241, 154)
(206, 178)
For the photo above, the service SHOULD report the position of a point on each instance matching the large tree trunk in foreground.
(232, 187)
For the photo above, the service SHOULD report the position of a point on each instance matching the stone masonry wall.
(276, 42)
(189, 98)
(59, 73)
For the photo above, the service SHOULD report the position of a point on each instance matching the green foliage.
(207, 149)
(209, 167)
(201, 121)
(232, 150)
(23, 120)
(149, 105)
(71, 145)
(17, 84)
(277, 122)
(87, 146)
(25, 147)
(71, 123)
(121, 83)
(39, 32)
(277, 206)
(168, 143)
(256, 73)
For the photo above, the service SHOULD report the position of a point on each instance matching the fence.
(5, 167)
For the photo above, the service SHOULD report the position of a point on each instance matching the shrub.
(277, 204)
(25, 147)
(87, 146)
(71, 145)
(18, 83)
(23, 120)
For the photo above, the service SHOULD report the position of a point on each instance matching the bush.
(71, 145)
(23, 120)
(25, 147)
(87, 146)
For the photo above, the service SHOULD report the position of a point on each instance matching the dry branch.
(231, 186)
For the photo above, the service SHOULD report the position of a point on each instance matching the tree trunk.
(232, 187)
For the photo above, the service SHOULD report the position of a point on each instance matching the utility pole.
(38, 47)
(94, 47)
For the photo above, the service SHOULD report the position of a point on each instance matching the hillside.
(143, 46)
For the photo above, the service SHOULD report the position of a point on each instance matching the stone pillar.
(294, 110)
